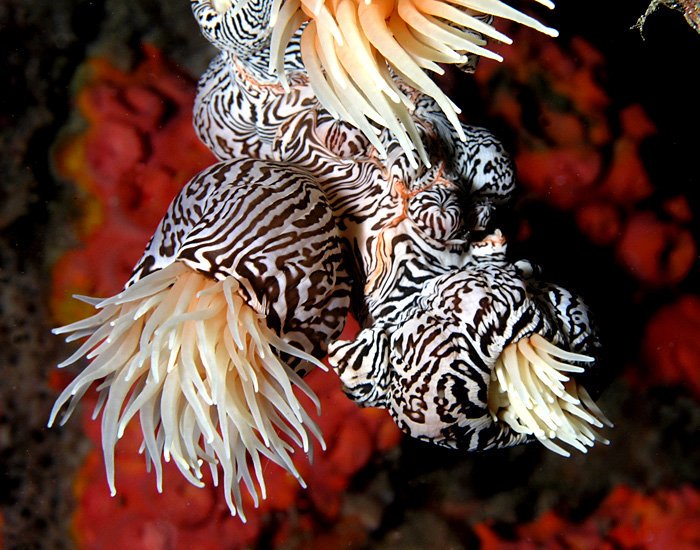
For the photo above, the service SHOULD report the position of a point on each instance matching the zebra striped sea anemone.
(236, 296)
(353, 49)
(201, 369)
(531, 394)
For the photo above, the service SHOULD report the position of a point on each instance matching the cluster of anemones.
(191, 352)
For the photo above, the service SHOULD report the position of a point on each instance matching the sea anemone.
(530, 393)
(236, 296)
(472, 363)
(246, 281)
(354, 49)
(202, 370)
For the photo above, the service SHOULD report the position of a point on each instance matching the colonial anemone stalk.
(352, 49)
(530, 393)
(202, 370)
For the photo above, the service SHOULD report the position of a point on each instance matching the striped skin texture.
(236, 30)
(248, 279)
(243, 32)
(304, 214)
(431, 367)
(237, 115)
(270, 227)
(438, 308)
(374, 201)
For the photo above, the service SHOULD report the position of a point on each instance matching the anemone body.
(358, 53)
(477, 362)
(318, 197)
(236, 297)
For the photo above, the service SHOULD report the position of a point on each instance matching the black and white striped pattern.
(431, 366)
(270, 227)
(300, 195)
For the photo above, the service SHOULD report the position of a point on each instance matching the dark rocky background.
(43, 43)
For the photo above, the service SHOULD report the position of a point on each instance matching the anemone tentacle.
(531, 393)
(353, 50)
(202, 370)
